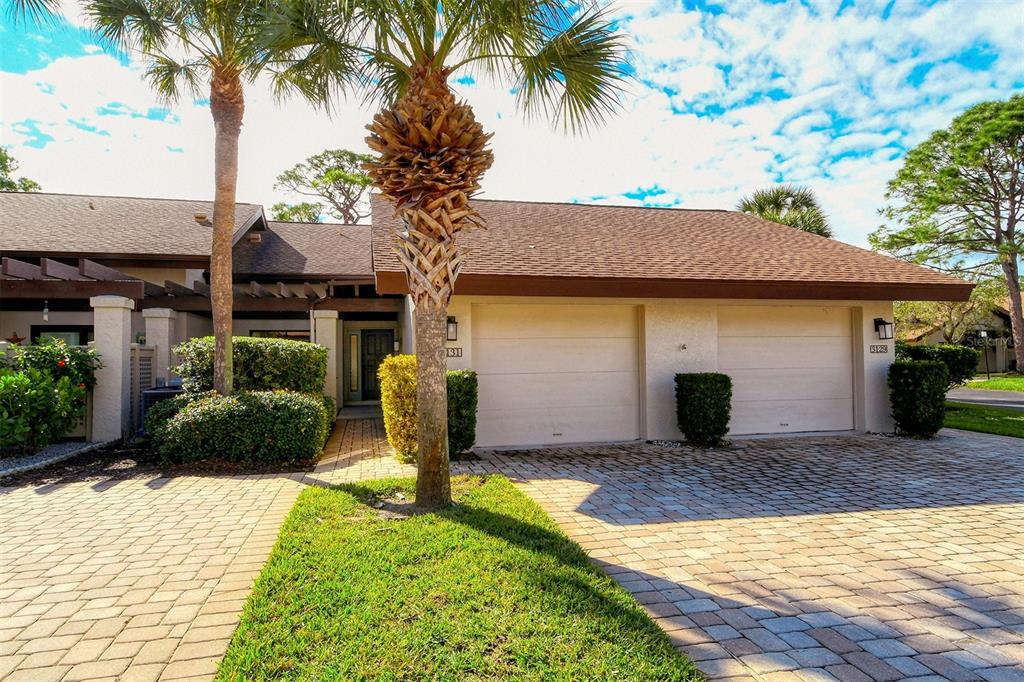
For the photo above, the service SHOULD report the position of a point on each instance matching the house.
(575, 317)
(996, 346)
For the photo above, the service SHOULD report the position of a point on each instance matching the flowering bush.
(58, 359)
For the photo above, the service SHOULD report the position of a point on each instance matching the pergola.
(56, 280)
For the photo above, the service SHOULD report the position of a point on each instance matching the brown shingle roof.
(90, 225)
(324, 249)
(615, 243)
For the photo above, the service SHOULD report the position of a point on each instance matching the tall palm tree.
(788, 205)
(564, 60)
(188, 43)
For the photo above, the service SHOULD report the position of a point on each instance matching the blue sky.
(728, 97)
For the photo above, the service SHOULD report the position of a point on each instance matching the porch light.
(46, 311)
(883, 329)
(983, 333)
(453, 329)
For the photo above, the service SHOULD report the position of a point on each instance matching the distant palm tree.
(788, 205)
(564, 60)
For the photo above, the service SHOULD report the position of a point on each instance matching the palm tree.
(788, 205)
(562, 57)
(188, 43)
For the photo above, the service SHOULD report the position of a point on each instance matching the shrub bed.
(36, 409)
(961, 361)
(58, 359)
(917, 392)
(257, 426)
(703, 407)
(398, 402)
(259, 365)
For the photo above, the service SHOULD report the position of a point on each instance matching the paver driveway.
(857, 558)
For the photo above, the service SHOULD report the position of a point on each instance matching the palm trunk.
(1012, 274)
(227, 105)
(432, 155)
(433, 488)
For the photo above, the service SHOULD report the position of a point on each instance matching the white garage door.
(792, 368)
(556, 373)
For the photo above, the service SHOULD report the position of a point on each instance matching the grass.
(488, 589)
(1003, 383)
(985, 419)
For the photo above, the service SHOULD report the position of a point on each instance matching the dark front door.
(377, 345)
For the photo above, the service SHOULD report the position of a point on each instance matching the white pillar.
(871, 359)
(160, 325)
(325, 332)
(112, 324)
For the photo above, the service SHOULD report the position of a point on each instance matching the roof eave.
(393, 282)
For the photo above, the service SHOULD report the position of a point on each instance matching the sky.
(727, 98)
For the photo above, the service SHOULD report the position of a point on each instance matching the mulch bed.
(135, 460)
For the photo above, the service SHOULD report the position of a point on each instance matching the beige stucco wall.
(667, 325)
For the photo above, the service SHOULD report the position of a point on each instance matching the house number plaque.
(453, 352)
(881, 348)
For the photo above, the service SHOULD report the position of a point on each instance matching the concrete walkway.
(852, 558)
(1013, 400)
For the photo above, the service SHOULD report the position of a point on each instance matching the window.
(353, 362)
(72, 334)
(293, 334)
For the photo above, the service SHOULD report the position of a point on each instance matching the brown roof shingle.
(589, 242)
(85, 225)
(310, 249)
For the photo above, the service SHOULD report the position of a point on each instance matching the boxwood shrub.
(398, 402)
(261, 426)
(36, 409)
(703, 407)
(961, 361)
(259, 364)
(917, 392)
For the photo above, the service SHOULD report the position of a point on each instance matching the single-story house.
(995, 346)
(575, 317)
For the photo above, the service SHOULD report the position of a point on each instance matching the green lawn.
(985, 419)
(489, 589)
(1002, 383)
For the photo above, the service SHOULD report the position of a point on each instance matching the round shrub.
(703, 407)
(398, 401)
(961, 361)
(257, 426)
(917, 392)
(160, 412)
(259, 364)
(36, 409)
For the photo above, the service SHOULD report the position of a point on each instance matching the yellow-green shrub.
(398, 401)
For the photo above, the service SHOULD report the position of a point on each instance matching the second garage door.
(556, 373)
(792, 368)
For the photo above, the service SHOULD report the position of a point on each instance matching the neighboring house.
(576, 318)
(996, 346)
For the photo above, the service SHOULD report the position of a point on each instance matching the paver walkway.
(852, 558)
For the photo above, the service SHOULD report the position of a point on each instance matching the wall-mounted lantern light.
(453, 329)
(883, 329)
(46, 311)
(983, 333)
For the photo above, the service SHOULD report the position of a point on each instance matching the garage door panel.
(747, 352)
(528, 356)
(556, 425)
(511, 321)
(784, 384)
(521, 391)
(778, 321)
(791, 416)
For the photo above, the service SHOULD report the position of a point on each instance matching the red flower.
(60, 363)
(81, 385)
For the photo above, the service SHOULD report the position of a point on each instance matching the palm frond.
(168, 77)
(789, 205)
(133, 23)
(39, 12)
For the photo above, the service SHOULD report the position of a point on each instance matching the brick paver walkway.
(853, 558)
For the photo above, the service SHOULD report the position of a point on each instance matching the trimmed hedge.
(259, 365)
(398, 401)
(917, 392)
(961, 361)
(36, 409)
(703, 407)
(261, 426)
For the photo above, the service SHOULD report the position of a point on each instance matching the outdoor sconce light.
(453, 329)
(883, 329)
(983, 333)
(46, 311)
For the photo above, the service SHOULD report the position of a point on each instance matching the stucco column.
(112, 324)
(871, 360)
(160, 325)
(325, 332)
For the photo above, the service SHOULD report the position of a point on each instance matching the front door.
(377, 345)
